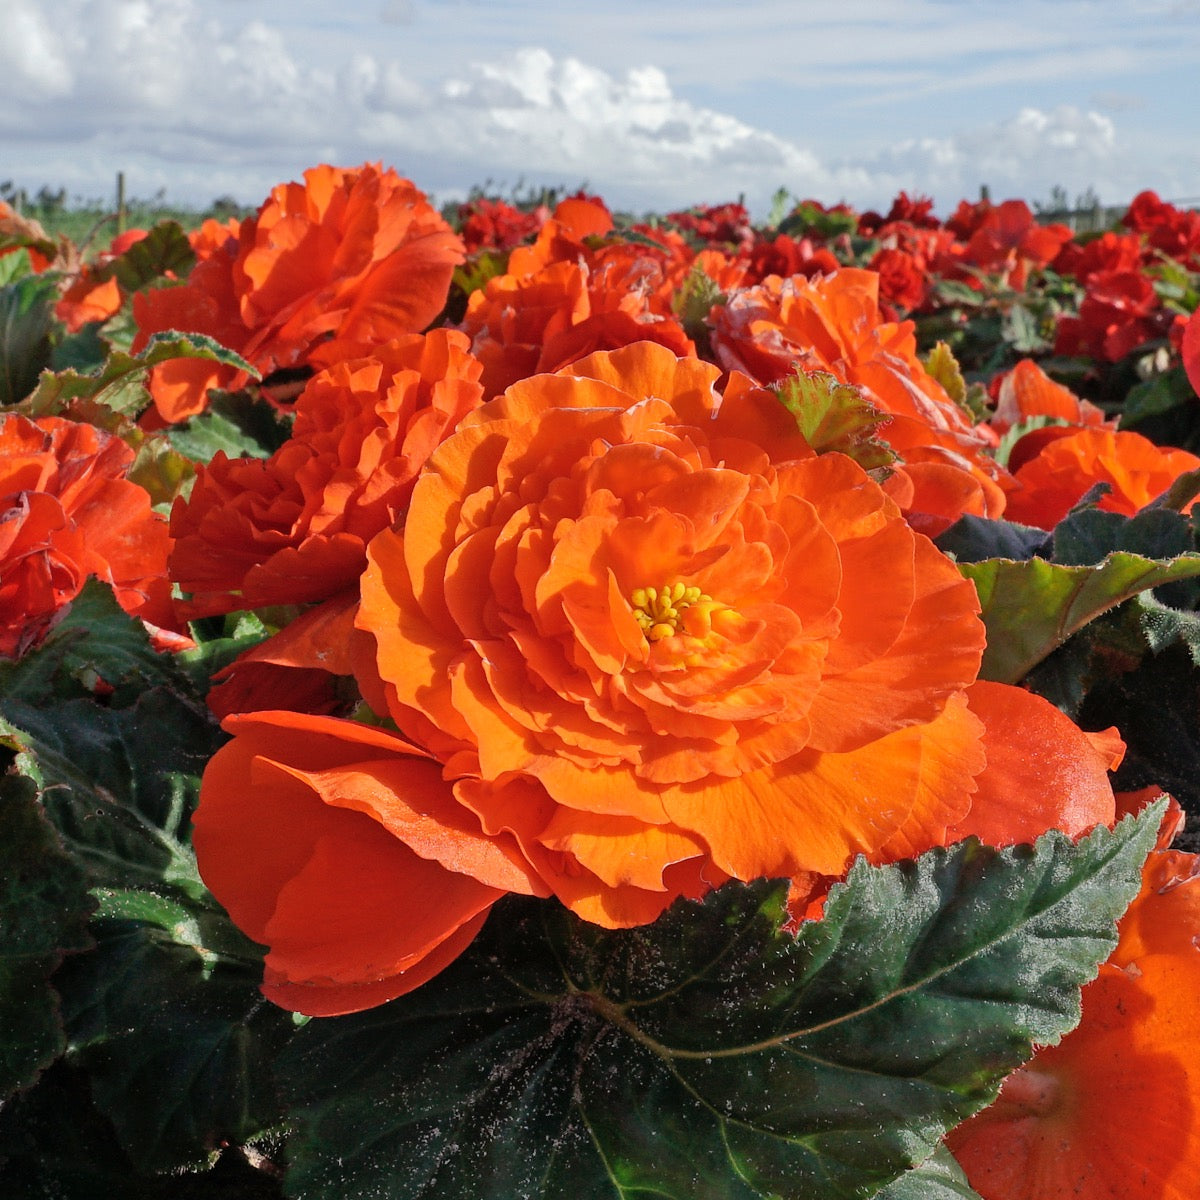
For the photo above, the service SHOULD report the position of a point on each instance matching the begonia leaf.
(836, 416)
(711, 1055)
(1151, 402)
(1087, 535)
(974, 539)
(93, 640)
(44, 906)
(939, 1177)
(167, 1018)
(119, 784)
(164, 249)
(53, 1142)
(120, 383)
(234, 422)
(1156, 705)
(26, 326)
(1032, 607)
(118, 736)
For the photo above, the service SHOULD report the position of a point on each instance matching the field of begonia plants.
(513, 703)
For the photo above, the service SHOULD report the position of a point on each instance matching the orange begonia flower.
(353, 863)
(1057, 477)
(640, 624)
(293, 528)
(67, 511)
(1110, 1113)
(562, 300)
(833, 323)
(354, 256)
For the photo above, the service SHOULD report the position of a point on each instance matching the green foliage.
(165, 249)
(711, 1054)
(237, 423)
(1094, 561)
(44, 908)
(812, 219)
(159, 1006)
(27, 326)
(119, 385)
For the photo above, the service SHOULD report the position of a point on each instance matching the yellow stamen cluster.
(659, 611)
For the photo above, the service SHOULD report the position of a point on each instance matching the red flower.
(1119, 313)
(564, 298)
(497, 225)
(67, 512)
(1189, 349)
(902, 279)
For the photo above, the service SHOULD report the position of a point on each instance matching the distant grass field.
(91, 224)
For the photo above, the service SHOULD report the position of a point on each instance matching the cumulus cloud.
(202, 101)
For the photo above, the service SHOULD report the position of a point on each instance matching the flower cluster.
(600, 562)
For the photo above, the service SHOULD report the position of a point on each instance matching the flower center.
(659, 610)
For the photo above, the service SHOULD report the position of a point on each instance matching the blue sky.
(655, 103)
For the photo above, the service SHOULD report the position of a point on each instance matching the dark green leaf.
(974, 539)
(56, 1145)
(1087, 536)
(234, 422)
(44, 906)
(1157, 397)
(120, 784)
(166, 1016)
(709, 1055)
(164, 249)
(84, 351)
(27, 323)
(1157, 705)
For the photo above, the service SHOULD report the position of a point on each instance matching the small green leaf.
(14, 265)
(236, 423)
(44, 907)
(1031, 608)
(836, 416)
(164, 249)
(1021, 331)
(709, 1055)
